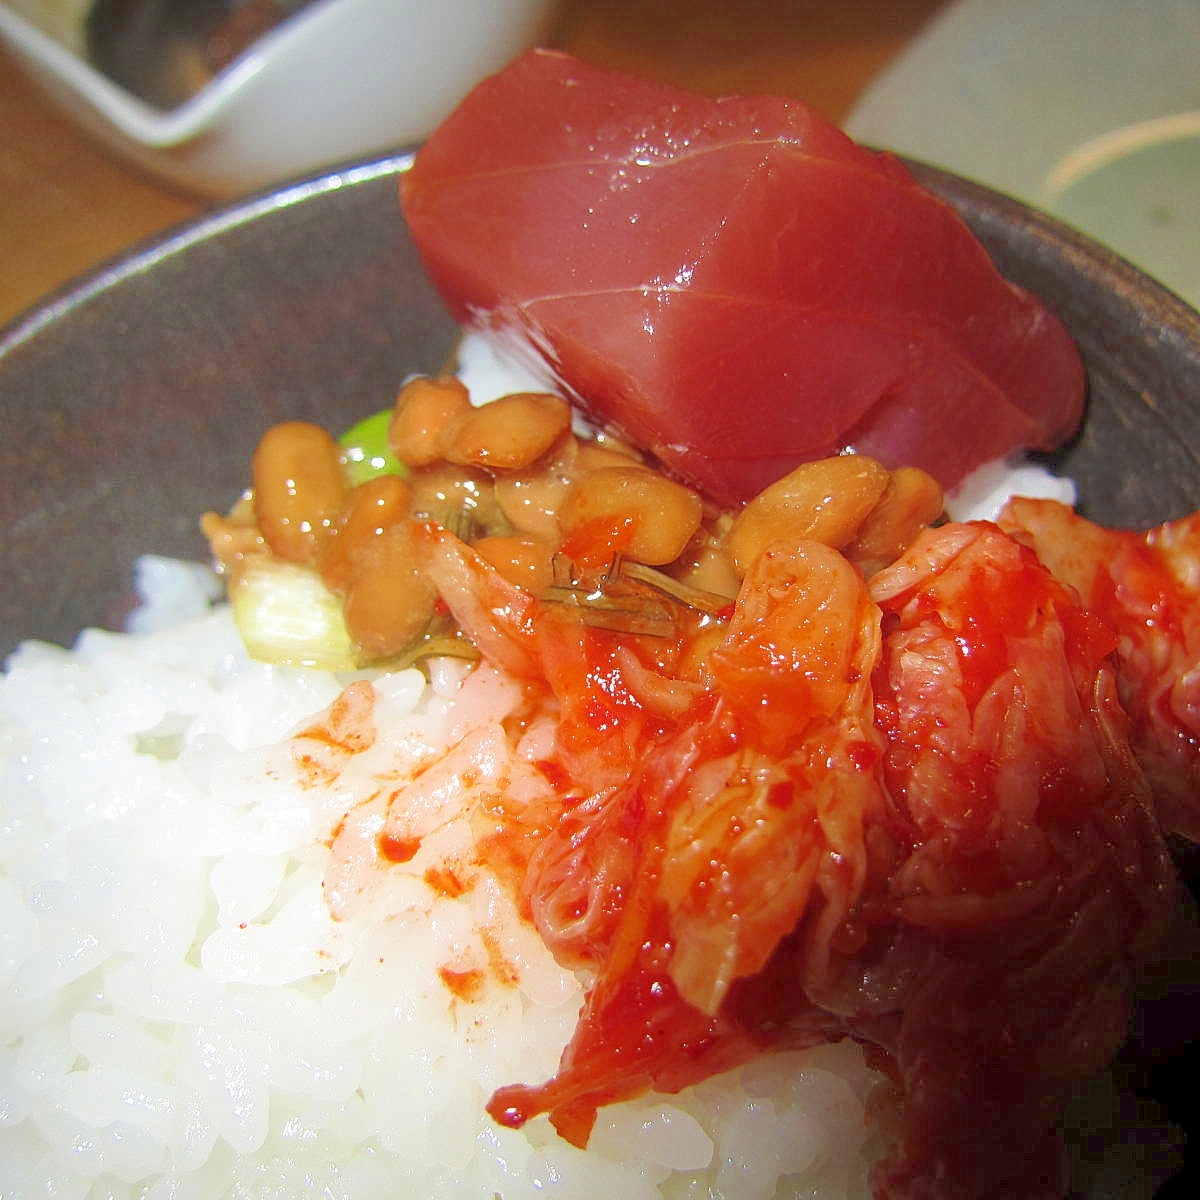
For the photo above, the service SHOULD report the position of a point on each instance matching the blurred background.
(120, 118)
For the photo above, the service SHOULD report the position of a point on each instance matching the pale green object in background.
(1087, 109)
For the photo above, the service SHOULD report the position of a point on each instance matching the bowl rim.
(1053, 238)
(241, 210)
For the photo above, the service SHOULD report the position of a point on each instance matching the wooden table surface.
(66, 204)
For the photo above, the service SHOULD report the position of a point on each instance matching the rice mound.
(183, 1017)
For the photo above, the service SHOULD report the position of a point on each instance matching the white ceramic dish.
(341, 79)
(1087, 109)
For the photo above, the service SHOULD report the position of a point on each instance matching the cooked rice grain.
(182, 1017)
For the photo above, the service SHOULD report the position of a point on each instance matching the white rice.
(181, 1018)
(984, 492)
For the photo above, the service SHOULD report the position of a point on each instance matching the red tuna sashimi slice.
(732, 282)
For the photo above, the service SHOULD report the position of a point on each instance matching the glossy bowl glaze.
(132, 401)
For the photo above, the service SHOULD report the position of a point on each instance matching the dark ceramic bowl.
(131, 402)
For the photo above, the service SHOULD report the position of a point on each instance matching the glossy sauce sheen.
(732, 283)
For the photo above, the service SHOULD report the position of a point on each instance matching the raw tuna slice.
(731, 282)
